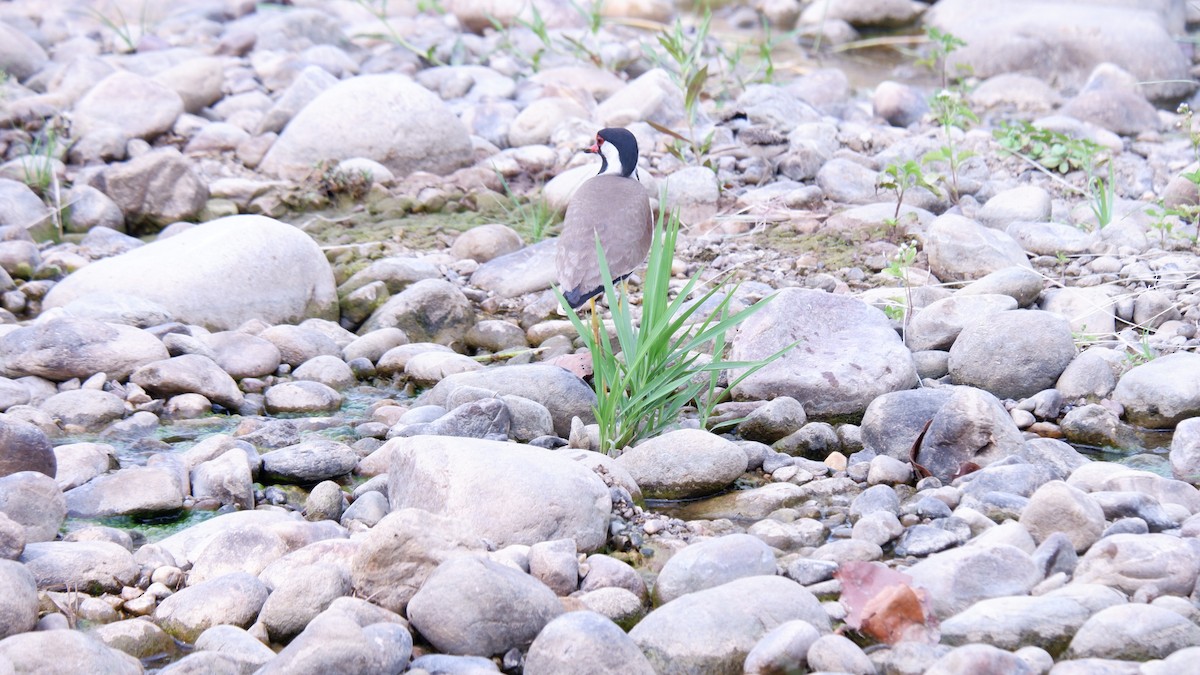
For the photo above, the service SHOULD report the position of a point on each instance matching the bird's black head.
(625, 145)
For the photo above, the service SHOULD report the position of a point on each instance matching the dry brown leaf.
(898, 613)
(882, 603)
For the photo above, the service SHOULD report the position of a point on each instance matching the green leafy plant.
(690, 72)
(657, 369)
(1051, 150)
(1166, 218)
(121, 26)
(1103, 197)
(898, 267)
(951, 112)
(898, 178)
(379, 10)
(942, 44)
(532, 218)
(738, 69)
(1140, 353)
(38, 171)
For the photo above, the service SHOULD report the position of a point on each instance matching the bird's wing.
(618, 210)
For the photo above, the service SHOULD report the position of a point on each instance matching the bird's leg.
(595, 322)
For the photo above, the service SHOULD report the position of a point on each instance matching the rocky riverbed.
(282, 383)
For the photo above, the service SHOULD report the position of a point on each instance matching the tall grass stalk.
(658, 367)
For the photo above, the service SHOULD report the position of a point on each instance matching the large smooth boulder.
(402, 550)
(713, 562)
(137, 106)
(20, 55)
(430, 310)
(85, 565)
(958, 578)
(584, 642)
(220, 275)
(972, 427)
(63, 348)
(387, 118)
(34, 501)
(135, 491)
(1061, 42)
(1013, 354)
(473, 605)
(18, 599)
(506, 493)
(1129, 563)
(1163, 392)
(846, 355)
(156, 189)
(712, 631)
(228, 599)
(188, 373)
(684, 463)
(961, 249)
(563, 393)
(64, 651)
(24, 447)
(343, 642)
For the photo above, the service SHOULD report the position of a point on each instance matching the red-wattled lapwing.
(613, 206)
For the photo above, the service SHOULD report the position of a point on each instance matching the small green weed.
(1141, 353)
(951, 112)
(39, 171)
(898, 267)
(379, 9)
(531, 218)
(942, 44)
(898, 178)
(121, 26)
(690, 72)
(1103, 198)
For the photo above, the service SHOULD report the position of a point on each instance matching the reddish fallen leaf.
(964, 469)
(921, 471)
(899, 613)
(883, 604)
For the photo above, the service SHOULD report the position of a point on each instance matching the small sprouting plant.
(658, 370)
(379, 9)
(532, 218)
(592, 14)
(762, 70)
(899, 178)
(121, 26)
(942, 44)
(1187, 124)
(899, 267)
(1050, 149)
(951, 112)
(38, 171)
(1084, 339)
(690, 72)
(1140, 353)
(1166, 218)
(1103, 196)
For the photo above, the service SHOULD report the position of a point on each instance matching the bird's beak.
(594, 149)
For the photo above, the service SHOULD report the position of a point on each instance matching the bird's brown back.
(618, 210)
